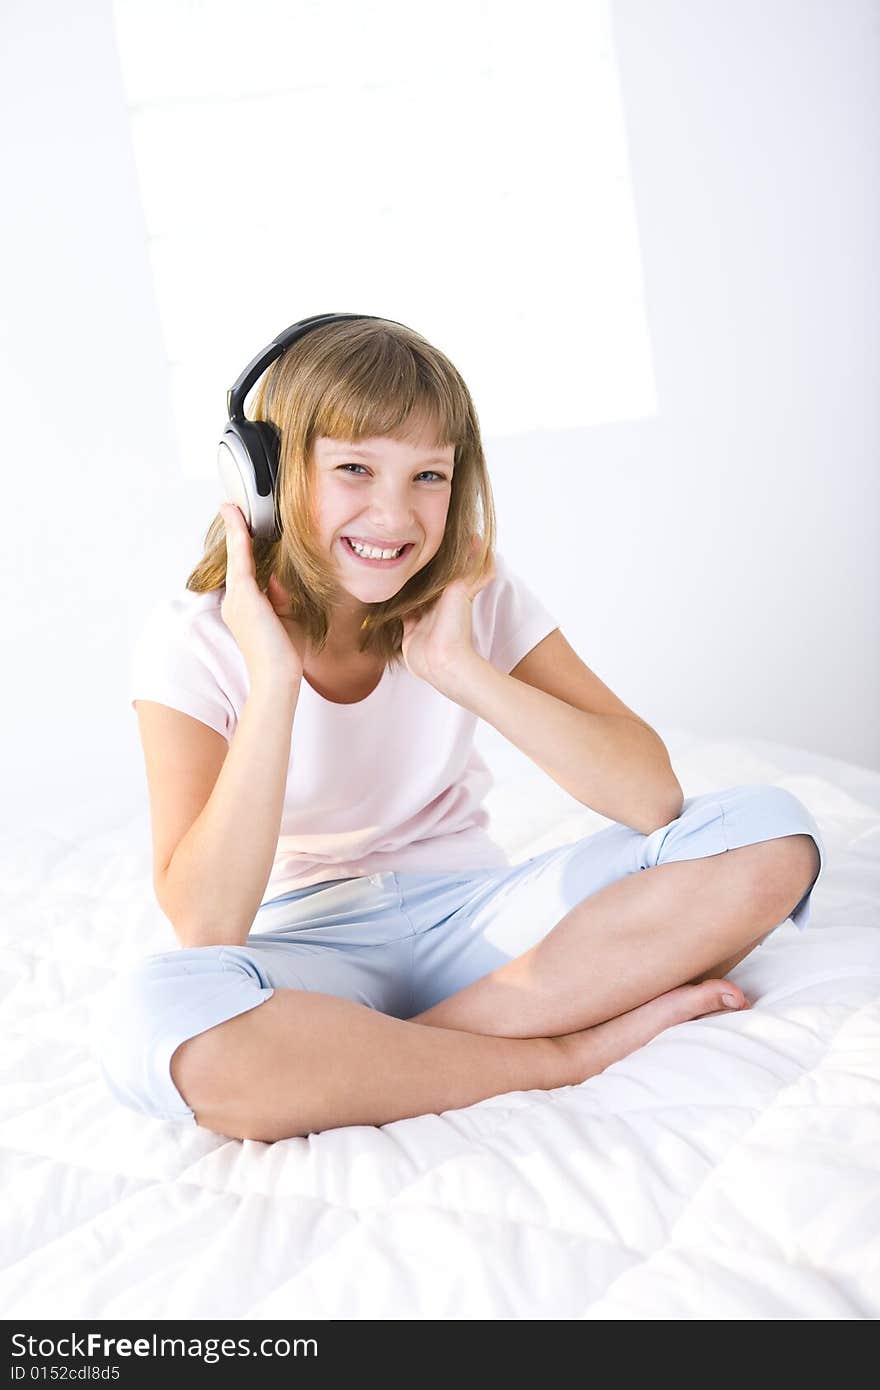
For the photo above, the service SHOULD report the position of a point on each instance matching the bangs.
(384, 386)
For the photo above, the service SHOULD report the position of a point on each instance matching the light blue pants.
(402, 942)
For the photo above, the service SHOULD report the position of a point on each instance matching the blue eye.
(426, 473)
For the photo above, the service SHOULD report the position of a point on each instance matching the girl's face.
(383, 493)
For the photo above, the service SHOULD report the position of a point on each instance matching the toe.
(727, 994)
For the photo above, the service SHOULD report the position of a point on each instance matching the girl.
(355, 948)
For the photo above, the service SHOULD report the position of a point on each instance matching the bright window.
(461, 167)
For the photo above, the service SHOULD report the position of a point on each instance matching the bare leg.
(303, 1062)
(636, 939)
(724, 967)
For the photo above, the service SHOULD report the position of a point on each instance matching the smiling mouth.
(377, 564)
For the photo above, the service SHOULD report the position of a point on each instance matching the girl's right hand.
(272, 643)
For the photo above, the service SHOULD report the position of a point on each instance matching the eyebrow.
(368, 453)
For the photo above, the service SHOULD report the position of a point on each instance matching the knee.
(138, 1023)
(200, 1069)
(765, 812)
(782, 846)
(767, 801)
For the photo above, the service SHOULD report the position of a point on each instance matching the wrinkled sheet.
(730, 1168)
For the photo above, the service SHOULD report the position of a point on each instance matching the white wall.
(718, 565)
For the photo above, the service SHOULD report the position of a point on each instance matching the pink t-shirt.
(392, 782)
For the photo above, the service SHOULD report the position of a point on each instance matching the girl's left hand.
(436, 643)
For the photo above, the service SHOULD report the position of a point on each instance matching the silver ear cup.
(239, 486)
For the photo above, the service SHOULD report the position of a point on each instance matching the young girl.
(307, 710)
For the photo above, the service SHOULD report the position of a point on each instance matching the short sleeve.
(172, 662)
(509, 619)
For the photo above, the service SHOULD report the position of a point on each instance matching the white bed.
(729, 1169)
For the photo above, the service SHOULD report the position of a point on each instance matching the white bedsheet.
(728, 1169)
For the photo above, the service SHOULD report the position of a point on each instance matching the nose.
(391, 511)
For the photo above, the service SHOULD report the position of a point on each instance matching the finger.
(230, 535)
(475, 547)
(278, 595)
(229, 517)
(239, 551)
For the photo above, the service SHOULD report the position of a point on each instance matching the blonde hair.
(356, 380)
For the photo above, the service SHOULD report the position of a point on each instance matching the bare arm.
(614, 764)
(217, 875)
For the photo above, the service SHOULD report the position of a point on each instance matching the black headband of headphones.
(235, 396)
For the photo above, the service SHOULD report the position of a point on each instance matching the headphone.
(247, 455)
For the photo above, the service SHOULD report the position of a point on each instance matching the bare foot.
(593, 1049)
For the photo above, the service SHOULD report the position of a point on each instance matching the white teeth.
(372, 553)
